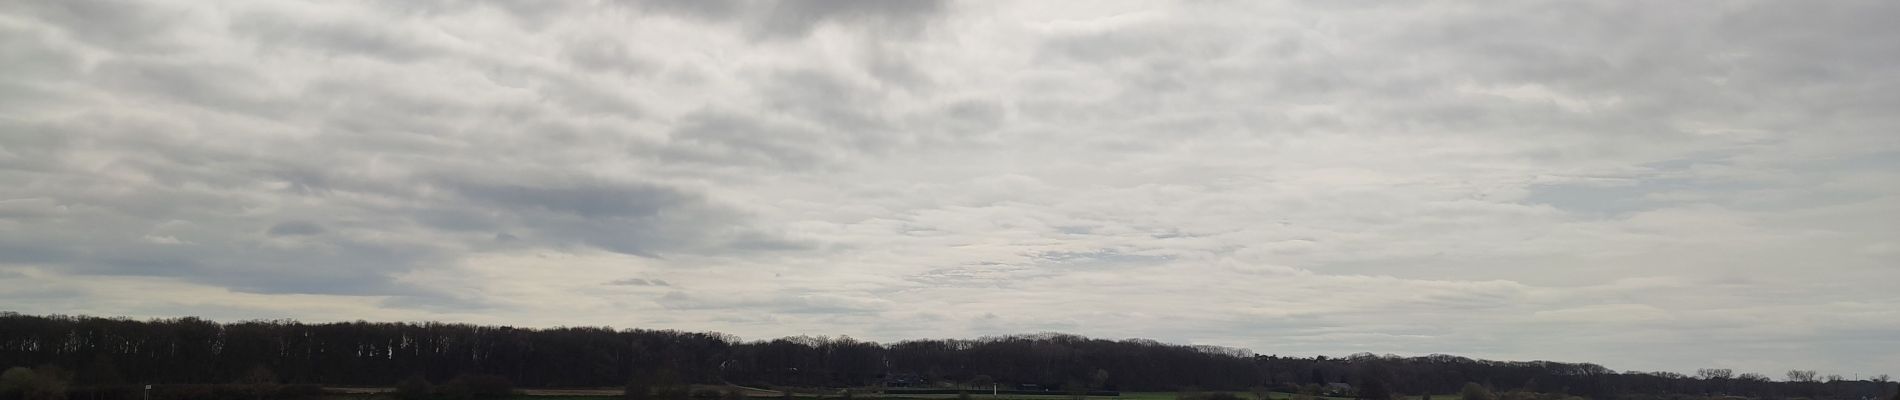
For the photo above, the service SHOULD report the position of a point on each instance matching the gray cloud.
(120, 25)
(639, 282)
(793, 20)
(295, 228)
(1660, 186)
(282, 31)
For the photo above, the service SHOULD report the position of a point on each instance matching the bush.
(43, 383)
(1474, 391)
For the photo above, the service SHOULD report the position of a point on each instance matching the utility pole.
(148, 392)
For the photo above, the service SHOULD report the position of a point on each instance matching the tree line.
(95, 352)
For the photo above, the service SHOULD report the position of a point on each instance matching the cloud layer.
(1652, 186)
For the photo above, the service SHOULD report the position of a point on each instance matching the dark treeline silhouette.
(111, 351)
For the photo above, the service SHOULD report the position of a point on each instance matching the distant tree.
(50, 383)
(196, 351)
(415, 387)
(1374, 389)
(1076, 389)
(101, 372)
(667, 386)
(1474, 391)
(1802, 376)
(982, 382)
(1715, 379)
(261, 382)
(1374, 379)
(640, 387)
(1099, 380)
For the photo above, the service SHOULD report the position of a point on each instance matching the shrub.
(44, 383)
(1474, 391)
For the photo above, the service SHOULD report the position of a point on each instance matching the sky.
(1643, 185)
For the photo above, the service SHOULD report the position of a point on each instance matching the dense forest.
(113, 351)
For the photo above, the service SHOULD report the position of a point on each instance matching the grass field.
(973, 396)
(611, 393)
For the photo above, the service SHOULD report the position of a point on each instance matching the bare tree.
(1803, 376)
(982, 383)
(1715, 379)
(1714, 373)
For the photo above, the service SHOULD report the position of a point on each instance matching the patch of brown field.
(749, 392)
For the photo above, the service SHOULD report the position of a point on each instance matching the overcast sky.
(1644, 185)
